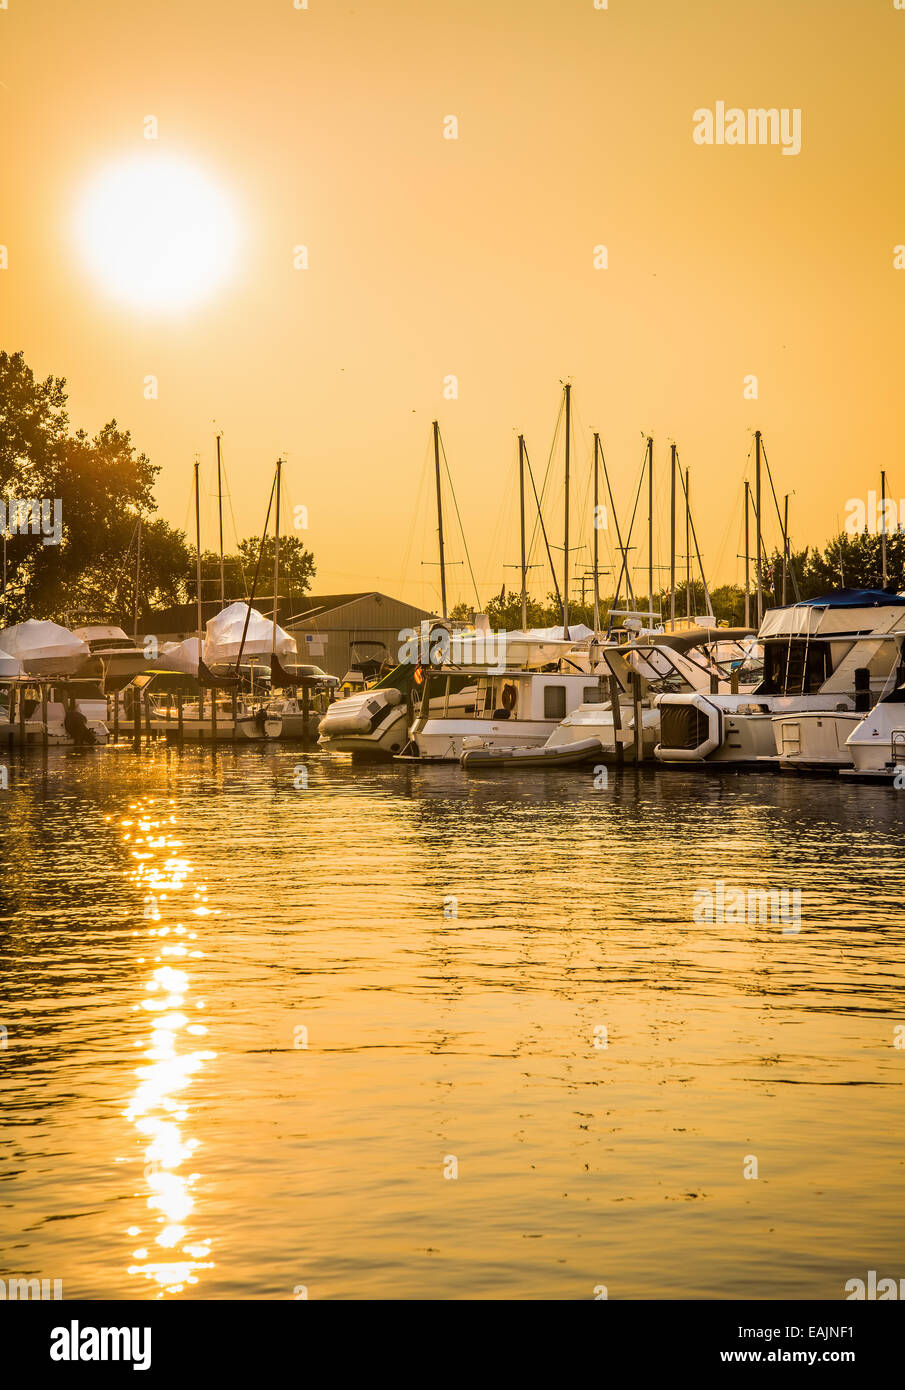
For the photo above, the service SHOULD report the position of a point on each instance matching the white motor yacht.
(115, 658)
(822, 656)
(682, 662)
(876, 745)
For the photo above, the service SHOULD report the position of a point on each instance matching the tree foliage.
(105, 486)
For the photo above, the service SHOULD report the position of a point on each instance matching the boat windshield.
(655, 666)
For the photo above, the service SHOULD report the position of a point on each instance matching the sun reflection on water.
(170, 1249)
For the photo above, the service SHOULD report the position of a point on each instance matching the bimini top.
(855, 598)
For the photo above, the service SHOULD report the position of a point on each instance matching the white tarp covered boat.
(223, 639)
(44, 648)
(177, 656)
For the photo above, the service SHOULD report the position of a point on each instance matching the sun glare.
(156, 232)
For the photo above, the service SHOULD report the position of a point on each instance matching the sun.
(156, 232)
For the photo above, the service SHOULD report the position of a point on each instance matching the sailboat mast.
(672, 534)
(747, 544)
(650, 526)
(440, 518)
(198, 555)
(883, 526)
(757, 570)
(565, 587)
(687, 546)
(785, 547)
(137, 575)
(276, 559)
(220, 520)
(596, 536)
(521, 502)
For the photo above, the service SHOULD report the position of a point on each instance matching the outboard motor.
(862, 689)
(76, 726)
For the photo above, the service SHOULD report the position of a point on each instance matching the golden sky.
(474, 257)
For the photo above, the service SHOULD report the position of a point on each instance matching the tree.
(104, 486)
(297, 567)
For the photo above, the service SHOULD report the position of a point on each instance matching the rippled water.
(247, 1051)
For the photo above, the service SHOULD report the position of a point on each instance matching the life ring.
(419, 675)
(508, 697)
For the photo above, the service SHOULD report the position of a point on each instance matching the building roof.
(294, 610)
(316, 605)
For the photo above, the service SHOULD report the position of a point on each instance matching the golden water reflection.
(171, 1248)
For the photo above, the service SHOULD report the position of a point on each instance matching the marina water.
(280, 1027)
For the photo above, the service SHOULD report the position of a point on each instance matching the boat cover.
(40, 641)
(855, 598)
(224, 636)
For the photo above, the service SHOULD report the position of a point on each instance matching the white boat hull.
(814, 740)
(371, 724)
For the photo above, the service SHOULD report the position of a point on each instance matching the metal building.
(336, 631)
